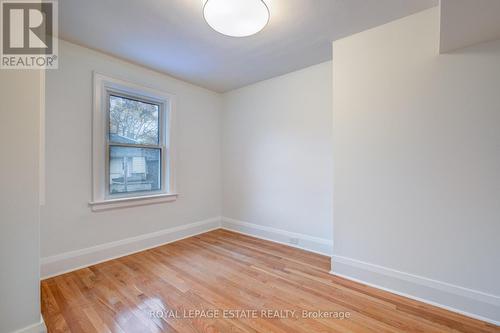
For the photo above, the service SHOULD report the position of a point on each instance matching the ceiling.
(171, 36)
(465, 22)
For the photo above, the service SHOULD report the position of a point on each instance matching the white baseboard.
(73, 260)
(35, 328)
(70, 261)
(471, 303)
(309, 243)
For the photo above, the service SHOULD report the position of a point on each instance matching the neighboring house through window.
(132, 144)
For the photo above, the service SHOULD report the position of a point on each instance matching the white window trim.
(100, 199)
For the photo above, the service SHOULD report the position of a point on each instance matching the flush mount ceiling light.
(236, 18)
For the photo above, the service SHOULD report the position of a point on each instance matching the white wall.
(277, 157)
(20, 97)
(416, 163)
(292, 117)
(68, 223)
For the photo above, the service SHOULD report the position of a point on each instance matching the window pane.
(134, 169)
(132, 121)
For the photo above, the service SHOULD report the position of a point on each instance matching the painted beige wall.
(296, 107)
(277, 153)
(416, 158)
(67, 221)
(20, 92)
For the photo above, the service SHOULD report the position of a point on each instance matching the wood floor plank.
(283, 279)
(247, 285)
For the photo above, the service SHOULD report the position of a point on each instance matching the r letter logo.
(29, 34)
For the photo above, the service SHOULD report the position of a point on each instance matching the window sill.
(131, 202)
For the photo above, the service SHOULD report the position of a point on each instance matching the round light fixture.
(236, 18)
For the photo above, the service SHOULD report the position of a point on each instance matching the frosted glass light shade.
(236, 18)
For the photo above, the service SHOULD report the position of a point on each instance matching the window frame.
(104, 87)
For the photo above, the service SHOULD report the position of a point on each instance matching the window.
(132, 145)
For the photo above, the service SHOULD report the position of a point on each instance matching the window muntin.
(135, 146)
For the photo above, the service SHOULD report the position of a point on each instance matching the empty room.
(271, 166)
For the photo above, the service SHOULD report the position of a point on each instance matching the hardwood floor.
(159, 290)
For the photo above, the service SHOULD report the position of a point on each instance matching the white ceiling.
(466, 22)
(171, 36)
